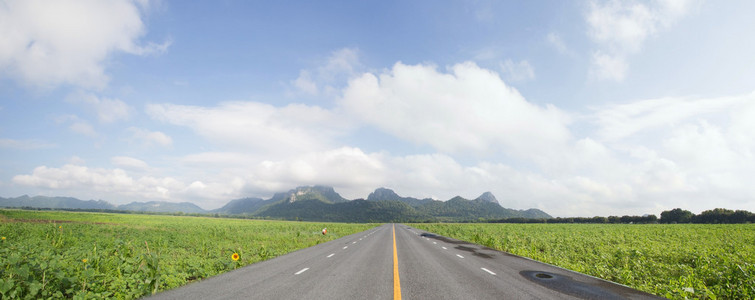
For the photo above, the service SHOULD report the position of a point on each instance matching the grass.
(684, 261)
(100, 255)
(125, 256)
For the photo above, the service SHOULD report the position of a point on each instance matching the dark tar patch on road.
(473, 250)
(567, 285)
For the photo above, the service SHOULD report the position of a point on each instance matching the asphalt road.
(381, 264)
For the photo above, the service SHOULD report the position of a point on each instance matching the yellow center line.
(396, 280)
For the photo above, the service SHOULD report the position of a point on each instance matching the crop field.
(691, 261)
(97, 255)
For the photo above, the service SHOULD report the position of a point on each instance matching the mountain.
(315, 203)
(54, 202)
(73, 203)
(321, 193)
(534, 213)
(161, 206)
(460, 209)
(485, 206)
(384, 205)
(488, 197)
(352, 211)
(384, 194)
(241, 206)
(299, 203)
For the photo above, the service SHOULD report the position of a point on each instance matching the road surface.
(400, 262)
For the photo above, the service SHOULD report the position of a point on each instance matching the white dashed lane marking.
(459, 256)
(301, 271)
(330, 255)
(489, 271)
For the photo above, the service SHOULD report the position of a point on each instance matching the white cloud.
(348, 169)
(327, 78)
(76, 160)
(343, 167)
(72, 177)
(467, 109)
(305, 83)
(25, 144)
(608, 67)
(118, 186)
(215, 178)
(47, 43)
(487, 53)
(557, 42)
(641, 157)
(683, 152)
(622, 26)
(342, 61)
(107, 110)
(355, 174)
(129, 163)
(352, 172)
(619, 121)
(147, 137)
(77, 125)
(82, 127)
(619, 28)
(517, 72)
(256, 126)
(702, 158)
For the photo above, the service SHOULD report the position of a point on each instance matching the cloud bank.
(48, 43)
(642, 156)
(620, 28)
(467, 109)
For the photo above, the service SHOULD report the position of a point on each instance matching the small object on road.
(324, 231)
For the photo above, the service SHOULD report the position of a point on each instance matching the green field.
(97, 255)
(690, 261)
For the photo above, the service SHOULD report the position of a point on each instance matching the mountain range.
(313, 203)
(73, 203)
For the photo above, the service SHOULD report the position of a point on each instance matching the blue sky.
(579, 108)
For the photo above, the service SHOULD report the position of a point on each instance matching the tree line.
(646, 219)
(713, 216)
(674, 216)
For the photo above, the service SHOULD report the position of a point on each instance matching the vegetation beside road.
(98, 255)
(47, 254)
(676, 261)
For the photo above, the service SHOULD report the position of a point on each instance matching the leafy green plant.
(680, 261)
(98, 255)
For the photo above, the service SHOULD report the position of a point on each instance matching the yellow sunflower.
(235, 256)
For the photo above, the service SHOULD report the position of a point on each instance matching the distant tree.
(715, 216)
(676, 215)
(740, 216)
(650, 219)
